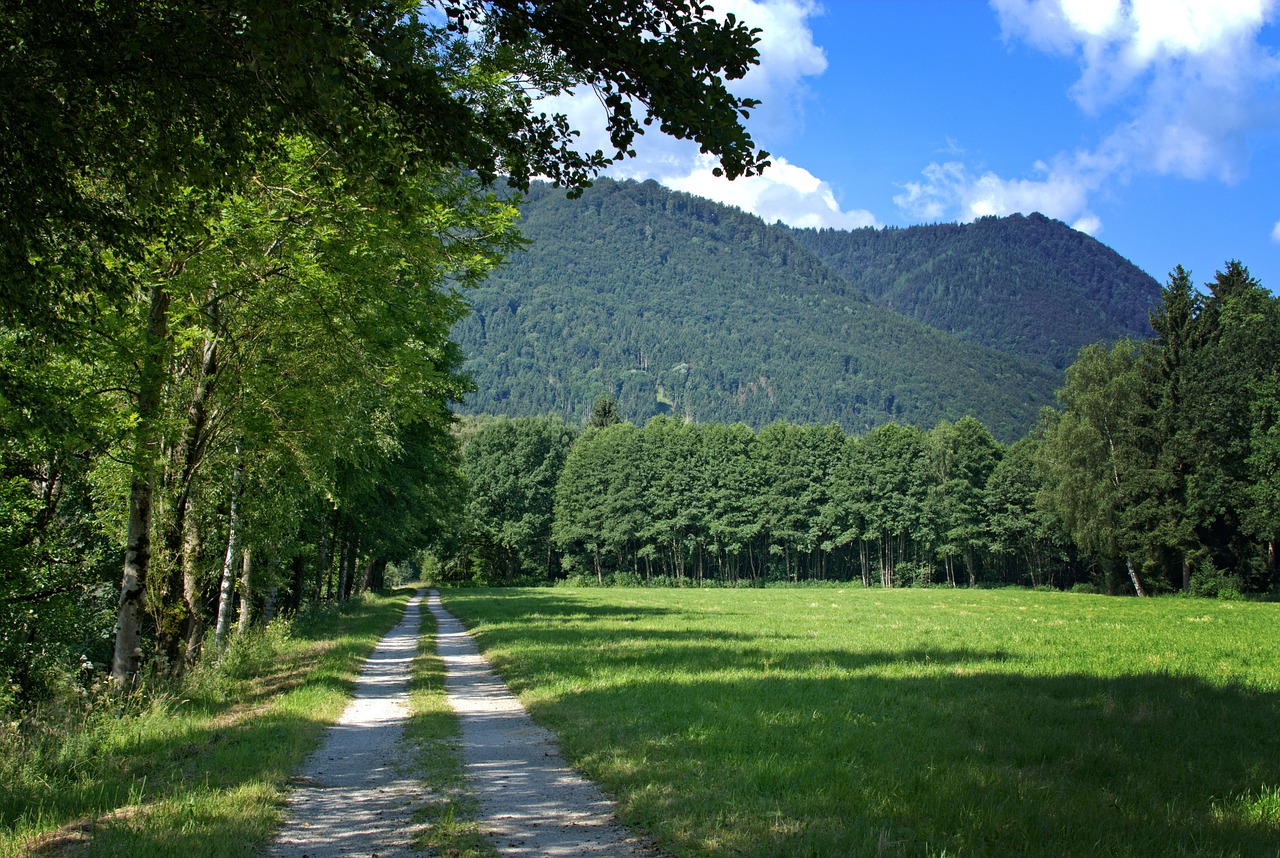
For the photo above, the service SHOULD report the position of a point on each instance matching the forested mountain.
(674, 304)
(1025, 285)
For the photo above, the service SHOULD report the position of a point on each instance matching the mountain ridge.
(1070, 288)
(676, 304)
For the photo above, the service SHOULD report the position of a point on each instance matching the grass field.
(907, 722)
(197, 769)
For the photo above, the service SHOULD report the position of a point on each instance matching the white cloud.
(784, 192)
(1189, 78)
(1186, 84)
(788, 55)
(1089, 224)
(952, 190)
(1275, 233)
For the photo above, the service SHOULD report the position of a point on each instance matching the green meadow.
(831, 721)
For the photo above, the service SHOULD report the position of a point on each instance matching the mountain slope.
(1025, 285)
(675, 304)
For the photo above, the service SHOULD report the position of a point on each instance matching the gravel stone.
(531, 802)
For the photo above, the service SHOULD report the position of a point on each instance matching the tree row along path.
(356, 795)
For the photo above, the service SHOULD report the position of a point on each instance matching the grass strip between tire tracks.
(433, 732)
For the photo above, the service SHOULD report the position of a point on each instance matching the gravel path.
(351, 798)
(531, 803)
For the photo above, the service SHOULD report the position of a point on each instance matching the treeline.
(1160, 473)
(263, 424)
(685, 502)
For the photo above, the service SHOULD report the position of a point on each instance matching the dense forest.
(1025, 285)
(1160, 473)
(676, 305)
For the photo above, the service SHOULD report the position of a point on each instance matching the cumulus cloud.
(788, 56)
(1189, 78)
(1186, 84)
(786, 192)
(951, 190)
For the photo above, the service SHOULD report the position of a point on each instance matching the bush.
(1215, 583)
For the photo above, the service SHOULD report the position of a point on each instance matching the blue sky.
(1153, 125)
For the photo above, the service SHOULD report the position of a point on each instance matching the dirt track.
(355, 797)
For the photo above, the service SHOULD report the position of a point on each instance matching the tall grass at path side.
(906, 722)
(197, 769)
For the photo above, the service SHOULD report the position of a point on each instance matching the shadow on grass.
(719, 746)
(184, 778)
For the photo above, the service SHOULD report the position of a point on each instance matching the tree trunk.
(1133, 576)
(347, 575)
(299, 568)
(344, 565)
(246, 592)
(192, 589)
(375, 574)
(269, 604)
(227, 590)
(180, 629)
(127, 658)
(328, 545)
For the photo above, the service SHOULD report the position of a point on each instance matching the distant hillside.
(1025, 285)
(675, 304)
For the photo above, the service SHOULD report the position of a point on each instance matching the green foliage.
(673, 305)
(1161, 459)
(511, 468)
(197, 765)
(116, 109)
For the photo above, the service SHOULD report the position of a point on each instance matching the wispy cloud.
(952, 190)
(1275, 233)
(1187, 81)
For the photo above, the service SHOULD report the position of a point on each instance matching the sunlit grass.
(198, 769)
(915, 722)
